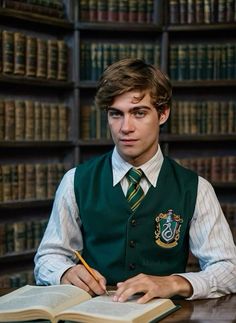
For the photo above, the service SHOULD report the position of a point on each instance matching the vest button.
(133, 222)
(132, 266)
(132, 243)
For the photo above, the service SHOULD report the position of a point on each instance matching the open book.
(67, 302)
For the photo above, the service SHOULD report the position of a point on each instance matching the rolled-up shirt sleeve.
(55, 253)
(212, 243)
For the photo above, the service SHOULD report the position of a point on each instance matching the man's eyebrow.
(138, 107)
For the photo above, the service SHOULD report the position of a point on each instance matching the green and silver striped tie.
(135, 193)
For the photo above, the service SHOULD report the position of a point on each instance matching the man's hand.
(152, 286)
(80, 277)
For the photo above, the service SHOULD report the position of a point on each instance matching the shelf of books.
(36, 131)
(53, 53)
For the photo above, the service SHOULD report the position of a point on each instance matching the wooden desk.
(218, 310)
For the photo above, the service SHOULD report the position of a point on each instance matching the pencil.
(89, 269)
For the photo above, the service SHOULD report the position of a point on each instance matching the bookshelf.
(37, 135)
(165, 33)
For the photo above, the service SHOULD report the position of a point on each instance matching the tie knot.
(134, 175)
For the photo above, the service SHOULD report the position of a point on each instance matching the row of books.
(21, 236)
(192, 61)
(29, 120)
(203, 117)
(93, 123)
(201, 11)
(132, 11)
(186, 118)
(96, 56)
(51, 8)
(216, 169)
(17, 279)
(32, 56)
(30, 181)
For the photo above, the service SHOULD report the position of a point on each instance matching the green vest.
(152, 240)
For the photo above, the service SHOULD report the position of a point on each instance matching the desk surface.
(218, 310)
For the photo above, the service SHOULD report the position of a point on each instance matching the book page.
(103, 307)
(51, 299)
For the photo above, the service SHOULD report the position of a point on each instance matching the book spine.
(7, 51)
(53, 119)
(41, 70)
(52, 59)
(142, 11)
(84, 10)
(133, 11)
(9, 120)
(31, 56)
(112, 10)
(191, 12)
(19, 120)
(40, 181)
(102, 10)
(37, 121)
(1, 50)
(174, 16)
(51, 180)
(63, 117)
(183, 11)
(2, 120)
(29, 120)
(85, 123)
(21, 181)
(123, 11)
(29, 181)
(19, 236)
(19, 53)
(45, 121)
(6, 180)
(62, 60)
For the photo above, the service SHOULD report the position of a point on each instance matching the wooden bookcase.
(93, 42)
(33, 160)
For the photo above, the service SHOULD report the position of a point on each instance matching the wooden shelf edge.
(203, 83)
(24, 80)
(25, 204)
(33, 144)
(37, 18)
(196, 137)
(119, 26)
(201, 27)
(17, 256)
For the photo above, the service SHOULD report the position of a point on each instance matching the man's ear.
(164, 114)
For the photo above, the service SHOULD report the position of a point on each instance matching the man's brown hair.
(133, 74)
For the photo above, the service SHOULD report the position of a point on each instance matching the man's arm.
(212, 243)
(55, 253)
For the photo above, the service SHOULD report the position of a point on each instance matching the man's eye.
(114, 114)
(139, 114)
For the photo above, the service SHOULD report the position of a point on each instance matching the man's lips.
(128, 141)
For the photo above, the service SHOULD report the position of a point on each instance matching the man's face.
(134, 126)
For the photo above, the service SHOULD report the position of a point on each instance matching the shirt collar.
(151, 168)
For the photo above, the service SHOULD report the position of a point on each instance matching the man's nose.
(127, 124)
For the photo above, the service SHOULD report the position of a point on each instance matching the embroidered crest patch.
(167, 229)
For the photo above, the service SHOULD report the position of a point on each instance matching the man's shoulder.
(176, 164)
(92, 162)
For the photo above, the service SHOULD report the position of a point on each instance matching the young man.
(137, 236)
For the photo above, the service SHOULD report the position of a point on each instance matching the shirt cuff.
(56, 276)
(202, 285)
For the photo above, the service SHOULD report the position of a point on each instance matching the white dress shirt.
(210, 236)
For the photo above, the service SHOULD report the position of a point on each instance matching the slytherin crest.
(167, 229)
